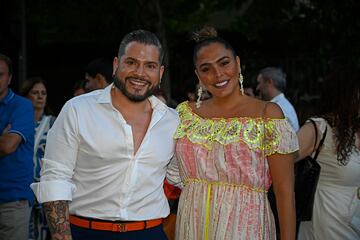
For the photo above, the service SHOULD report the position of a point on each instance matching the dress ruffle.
(278, 138)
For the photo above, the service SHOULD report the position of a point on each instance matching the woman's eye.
(224, 63)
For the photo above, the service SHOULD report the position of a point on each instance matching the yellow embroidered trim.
(209, 189)
(225, 131)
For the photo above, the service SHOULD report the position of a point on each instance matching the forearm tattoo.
(57, 215)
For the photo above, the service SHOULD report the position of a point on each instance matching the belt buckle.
(119, 227)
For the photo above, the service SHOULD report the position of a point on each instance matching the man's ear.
(162, 69)
(115, 65)
(10, 78)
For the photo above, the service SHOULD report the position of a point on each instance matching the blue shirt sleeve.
(22, 119)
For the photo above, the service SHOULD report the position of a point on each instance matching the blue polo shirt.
(16, 169)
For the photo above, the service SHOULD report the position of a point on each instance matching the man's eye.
(205, 69)
(129, 62)
(151, 66)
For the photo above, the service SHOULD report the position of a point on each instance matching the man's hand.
(6, 129)
(9, 142)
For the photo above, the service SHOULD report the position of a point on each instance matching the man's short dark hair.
(101, 66)
(144, 37)
(8, 62)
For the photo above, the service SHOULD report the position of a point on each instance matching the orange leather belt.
(114, 226)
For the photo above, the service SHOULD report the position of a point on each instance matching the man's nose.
(140, 70)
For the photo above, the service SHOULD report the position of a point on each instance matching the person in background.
(229, 149)
(271, 84)
(98, 74)
(107, 154)
(161, 95)
(249, 90)
(16, 153)
(35, 90)
(336, 210)
(190, 90)
(80, 87)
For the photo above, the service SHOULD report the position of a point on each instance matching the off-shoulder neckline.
(229, 119)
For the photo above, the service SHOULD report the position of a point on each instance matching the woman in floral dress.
(230, 149)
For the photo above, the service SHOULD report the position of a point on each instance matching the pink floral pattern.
(222, 165)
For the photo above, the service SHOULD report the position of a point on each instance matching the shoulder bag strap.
(316, 133)
(320, 144)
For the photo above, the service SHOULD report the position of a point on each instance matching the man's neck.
(122, 103)
(38, 114)
(3, 94)
(275, 93)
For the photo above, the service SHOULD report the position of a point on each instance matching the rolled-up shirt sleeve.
(172, 173)
(60, 158)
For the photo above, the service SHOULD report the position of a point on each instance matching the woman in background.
(230, 148)
(336, 210)
(35, 90)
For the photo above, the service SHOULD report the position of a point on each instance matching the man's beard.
(121, 85)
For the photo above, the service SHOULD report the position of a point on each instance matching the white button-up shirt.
(288, 110)
(90, 161)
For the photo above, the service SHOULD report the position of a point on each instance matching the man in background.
(98, 74)
(271, 85)
(17, 129)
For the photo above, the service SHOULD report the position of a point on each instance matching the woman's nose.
(218, 72)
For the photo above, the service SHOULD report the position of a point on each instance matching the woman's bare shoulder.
(272, 110)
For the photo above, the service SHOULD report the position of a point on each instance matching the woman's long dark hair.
(340, 106)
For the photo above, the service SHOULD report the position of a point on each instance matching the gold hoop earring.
(241, 79)
(198, 101)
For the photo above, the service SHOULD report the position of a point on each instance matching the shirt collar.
(278, 97)
(8, 97)
(157, 105)
(105, 97)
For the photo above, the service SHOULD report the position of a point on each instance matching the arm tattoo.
(57, 215)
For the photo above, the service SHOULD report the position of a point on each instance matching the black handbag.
(307, 173)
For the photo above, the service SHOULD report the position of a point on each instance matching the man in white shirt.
(108, 151)
(271, 83)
